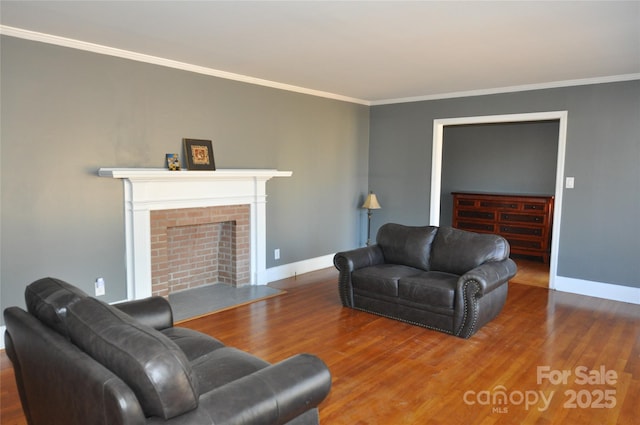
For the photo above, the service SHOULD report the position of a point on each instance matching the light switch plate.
(570, 182)
(100, 287)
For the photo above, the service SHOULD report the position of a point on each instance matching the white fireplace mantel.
(148, 189)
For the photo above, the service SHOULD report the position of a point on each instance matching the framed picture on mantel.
(199, 154)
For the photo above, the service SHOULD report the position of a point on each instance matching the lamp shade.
(371, 203)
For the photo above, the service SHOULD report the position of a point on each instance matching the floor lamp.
(371, 203)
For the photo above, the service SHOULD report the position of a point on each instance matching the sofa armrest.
(489, 276)
(274, 395)
(349, 261)
(153, 311)
(480, 295)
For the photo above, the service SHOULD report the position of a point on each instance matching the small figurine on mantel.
(173, 162)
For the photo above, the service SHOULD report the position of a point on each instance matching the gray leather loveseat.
(79, 361)
(441, 278)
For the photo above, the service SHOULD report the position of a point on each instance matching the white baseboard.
(2, 329)
(626, 294)
(300, 267)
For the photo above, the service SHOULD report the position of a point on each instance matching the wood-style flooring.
(531, 272)
(541, 361)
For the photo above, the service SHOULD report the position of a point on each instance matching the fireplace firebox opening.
(192, 247)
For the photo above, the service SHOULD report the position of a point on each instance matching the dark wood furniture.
(524, 220)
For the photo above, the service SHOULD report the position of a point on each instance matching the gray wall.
(600, 230)
(508, 158)
(65, 113)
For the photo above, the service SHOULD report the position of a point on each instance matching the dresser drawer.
(520, 230)
(476, 226)
(532, 244)
(534, 207)
(466, 203)
(522, 218)
(481, 215)
(501, 205)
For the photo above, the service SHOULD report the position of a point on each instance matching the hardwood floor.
(531, 272)
(387, 372)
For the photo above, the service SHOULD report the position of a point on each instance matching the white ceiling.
(370, 52)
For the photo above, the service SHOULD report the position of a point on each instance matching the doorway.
(436, 167)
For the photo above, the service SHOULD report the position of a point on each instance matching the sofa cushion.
(193, 344)
(381, 279)
(152, 365)
(224, 365)
(48, 299)
(431, 288)
(458, 251)
(406, 245)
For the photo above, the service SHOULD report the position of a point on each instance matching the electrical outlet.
(100, 287)
(276, 254)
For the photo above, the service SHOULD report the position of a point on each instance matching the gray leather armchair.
(442, 278)
(79, 361)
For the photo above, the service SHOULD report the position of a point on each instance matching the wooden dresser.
(524, 220)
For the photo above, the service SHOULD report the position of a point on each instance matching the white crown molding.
(511, 89)
(155, 60)
(125, 54)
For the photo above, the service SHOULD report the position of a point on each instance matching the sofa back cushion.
(48, 299)
(406, 245)
(151, 364)
(458, 251)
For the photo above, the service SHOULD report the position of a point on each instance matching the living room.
(67, 112)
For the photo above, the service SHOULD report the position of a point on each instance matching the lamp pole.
(369, 227)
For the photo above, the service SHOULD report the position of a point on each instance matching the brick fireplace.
(164, 208)
(192, 247)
